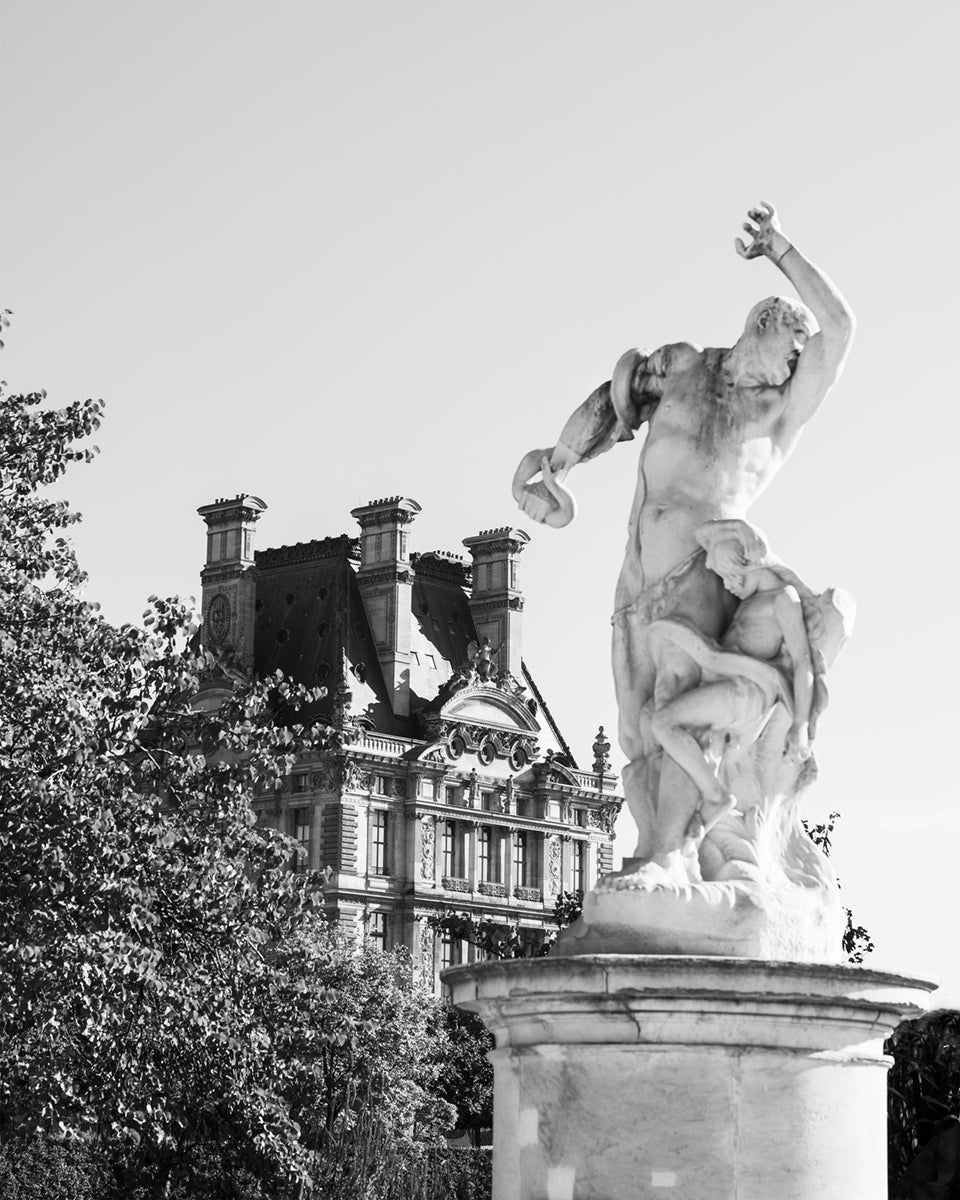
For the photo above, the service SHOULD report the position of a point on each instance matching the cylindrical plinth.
(623, 1076)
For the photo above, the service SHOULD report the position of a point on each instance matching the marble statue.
(719, 651)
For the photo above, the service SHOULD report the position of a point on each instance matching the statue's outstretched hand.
(768, 240)
(547, 501)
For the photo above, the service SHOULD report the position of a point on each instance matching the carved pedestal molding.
(626, 1076)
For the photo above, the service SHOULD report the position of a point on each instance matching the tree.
(857, 942)
(357, 1032)
(174, 1002)
(137, 895)
(923, 1103)
(467, 1079)
(506, 939)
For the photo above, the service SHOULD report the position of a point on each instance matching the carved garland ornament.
(427, 841)
(553, 870)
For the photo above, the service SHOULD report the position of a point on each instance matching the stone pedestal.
(624, 1076)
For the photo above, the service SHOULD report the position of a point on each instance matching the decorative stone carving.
(717, 702)
(427, 838)
(451, 884)
(473, 788)
(492, 889)
(528, 893)
(426, 940)
(355, 779)
(218, 619)
(554, 860)
(601, 754)
(608, 815)
(484, 662)
(325, 778)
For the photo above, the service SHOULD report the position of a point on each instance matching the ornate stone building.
(449, 785)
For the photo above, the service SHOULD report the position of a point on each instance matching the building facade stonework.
(449, 785)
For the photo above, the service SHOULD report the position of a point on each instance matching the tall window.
(453, 855)
(577, 860)
(301, 834)
(452, 794)
(379, 848)
(379, 930)
(452, 951)
(521, 859)
(489, 855)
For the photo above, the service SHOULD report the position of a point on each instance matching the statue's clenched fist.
(547, 501)
(768, 239)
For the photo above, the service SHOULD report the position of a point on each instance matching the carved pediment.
(479, 704)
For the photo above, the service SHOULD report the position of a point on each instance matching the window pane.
(520, 860)
(379, 851)
(300, 822)
(379, 930)
(576, 881)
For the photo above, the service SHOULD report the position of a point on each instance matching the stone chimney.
(385, 579)
(229, 578)
(497, 602)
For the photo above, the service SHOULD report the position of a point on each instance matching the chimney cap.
(243, 500)
(400, 507)
(505, 538)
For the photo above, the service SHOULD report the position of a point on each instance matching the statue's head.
(775, 333)
(742, 572)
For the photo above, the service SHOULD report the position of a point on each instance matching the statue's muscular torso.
(709, 451)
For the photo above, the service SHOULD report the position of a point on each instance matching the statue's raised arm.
(817, 357)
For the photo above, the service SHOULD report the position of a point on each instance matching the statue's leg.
(633, 676)
(678, 797)
(699, 598)
(704, 707)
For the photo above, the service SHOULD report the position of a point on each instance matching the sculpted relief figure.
(699, 595)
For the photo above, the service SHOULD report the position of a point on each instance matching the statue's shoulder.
(681, 356)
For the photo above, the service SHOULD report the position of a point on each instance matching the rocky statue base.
(731, 918)
(623, 1076)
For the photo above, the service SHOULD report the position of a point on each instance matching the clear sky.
(329, 252)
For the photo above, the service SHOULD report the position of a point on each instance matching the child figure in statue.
(762, 660)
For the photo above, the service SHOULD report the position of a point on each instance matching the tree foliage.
(923, 1095)
(857, 942)
(137, 895)
(466, 1081)
(171, 995)
(506, 939)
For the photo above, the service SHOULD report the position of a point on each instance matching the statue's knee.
(660, 726)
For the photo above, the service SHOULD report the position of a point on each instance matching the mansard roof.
(310, 621)
(310, 618)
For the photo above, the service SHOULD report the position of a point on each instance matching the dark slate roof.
(442, 626)
(309, 611)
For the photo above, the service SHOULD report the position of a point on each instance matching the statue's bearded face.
(778, 330)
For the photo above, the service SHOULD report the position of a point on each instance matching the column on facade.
(425, 948)
(316, 814)
(590, 864)
(473, 854)
(545, 865)
(438, 828)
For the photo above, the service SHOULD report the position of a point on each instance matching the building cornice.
(343, 546)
